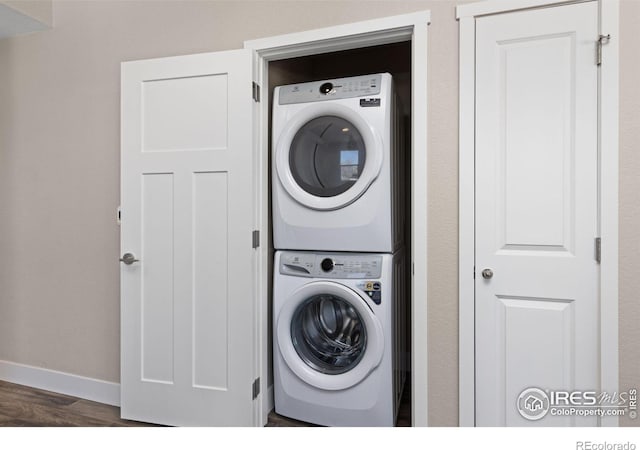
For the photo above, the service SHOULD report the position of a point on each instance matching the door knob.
(129, 258)
(487, 273)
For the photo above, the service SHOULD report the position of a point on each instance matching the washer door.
(327, 156)
(329, 336)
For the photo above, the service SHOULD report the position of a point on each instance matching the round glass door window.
(328, 334)
(327, 156)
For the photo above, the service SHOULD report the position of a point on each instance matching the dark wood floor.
(22, 406)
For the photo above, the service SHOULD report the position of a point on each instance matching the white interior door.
(188, 334)
(536, 209)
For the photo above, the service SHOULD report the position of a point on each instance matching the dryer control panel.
(316, 91)
(331, 265)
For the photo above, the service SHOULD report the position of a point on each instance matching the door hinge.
(602, 39)
(256, 238)
(255, 91)
(598, 249)
(255, 389)
(119, 215)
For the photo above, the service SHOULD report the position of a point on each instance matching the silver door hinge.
(602, 39)
(255, 91)
(598, 249)
(256, 238)
(255, 389)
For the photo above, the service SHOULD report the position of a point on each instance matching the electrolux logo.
(534, 403)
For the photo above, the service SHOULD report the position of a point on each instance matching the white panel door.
(188, 341)
(536, 209)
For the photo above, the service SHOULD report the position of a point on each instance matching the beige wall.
(629, 332)
(59, 171)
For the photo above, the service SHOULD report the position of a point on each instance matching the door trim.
(608, 194)
(407, 27)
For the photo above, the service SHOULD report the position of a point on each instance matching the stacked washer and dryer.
(339, 298)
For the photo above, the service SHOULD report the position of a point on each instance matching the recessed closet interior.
(393, 58)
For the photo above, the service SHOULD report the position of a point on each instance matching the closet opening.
(395, 59)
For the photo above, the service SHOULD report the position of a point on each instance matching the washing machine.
(337, 165)
(338, 344)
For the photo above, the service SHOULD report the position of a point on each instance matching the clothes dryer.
(337, 166)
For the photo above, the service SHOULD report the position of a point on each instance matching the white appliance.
(337, 166)
(339, 337)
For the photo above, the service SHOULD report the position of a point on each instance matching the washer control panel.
(338, 88)
(329, 265)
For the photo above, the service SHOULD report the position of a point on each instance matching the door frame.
(407, 27)
(607, 187)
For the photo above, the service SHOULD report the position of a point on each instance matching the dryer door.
(328, 156)
(329, 336)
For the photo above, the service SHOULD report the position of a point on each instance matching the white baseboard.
(61, 382)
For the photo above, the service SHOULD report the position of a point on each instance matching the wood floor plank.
(104, 412)
(34, 413)
(11, 396)
(23, 423)
(38, 396)
(23, 406)
(96, 410)
(4, 419)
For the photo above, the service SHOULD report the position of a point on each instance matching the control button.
(376, 286)
(327, 264)
(325, 88)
